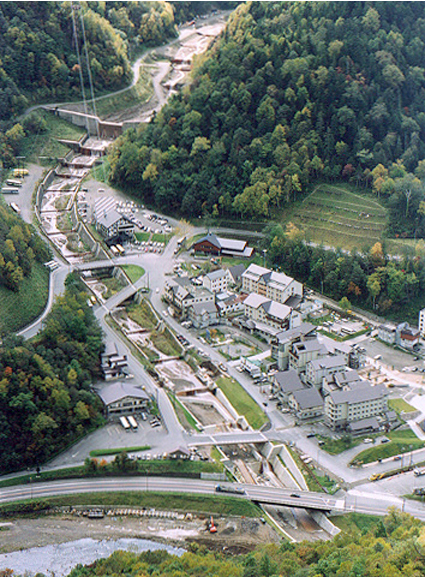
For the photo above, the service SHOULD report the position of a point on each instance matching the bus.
(132, 422)
(13, 182)
(15, 207)
(20, 172)
(121, 250)
(125, 424)
(9, 190)
(114, 250)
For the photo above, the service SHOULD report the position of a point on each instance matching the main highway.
(359, 502)
(261, 494)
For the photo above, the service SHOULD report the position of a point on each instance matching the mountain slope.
(291, 93)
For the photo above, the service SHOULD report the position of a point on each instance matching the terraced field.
(334, 216)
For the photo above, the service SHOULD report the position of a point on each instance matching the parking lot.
(390, 356)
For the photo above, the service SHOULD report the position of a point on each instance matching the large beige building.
(275, 286)
(354, 404)
(273, 314)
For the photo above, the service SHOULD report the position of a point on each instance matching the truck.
(419, 471)
(230, 489)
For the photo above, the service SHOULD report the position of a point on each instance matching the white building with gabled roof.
(216, 281)
(262, 309)
(274, 285)
(318, 369)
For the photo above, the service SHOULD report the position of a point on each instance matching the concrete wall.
(91, 123)
(293, 469)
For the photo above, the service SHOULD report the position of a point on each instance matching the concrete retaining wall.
(293, 469)
(283, 474)
(325, 523)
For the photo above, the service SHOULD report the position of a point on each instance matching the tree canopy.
(291, 93)
(392, 547)
(45, 396)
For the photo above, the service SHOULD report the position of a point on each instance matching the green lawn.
(21, 308)
(113, 285)
(142, 236)
(45, 144)
(402, 441)
(133, 271)
(400, 406)
(134, 96)
(156, 237)
(337, 446)
(242, 402)
(116, 451)
(183, 415)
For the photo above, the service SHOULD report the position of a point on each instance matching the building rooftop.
(309, 346)
(308, 398)
(369, 423)
(117, 391)
(288, 381)
(271, 278)
(296, 333)
(202, 308)
(359, 394)
(236, 271)
(216, 274)
(272, 308)
(327, 362)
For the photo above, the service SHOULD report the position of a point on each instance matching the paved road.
(306, 499)
(356, 501)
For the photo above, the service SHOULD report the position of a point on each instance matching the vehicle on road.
(419, 471)
(230, 489)
(295, 495)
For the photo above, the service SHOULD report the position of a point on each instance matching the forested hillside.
(392, 547)
(45, 397)
(293, 92)
(20, 247)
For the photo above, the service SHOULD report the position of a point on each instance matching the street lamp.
(264, 257)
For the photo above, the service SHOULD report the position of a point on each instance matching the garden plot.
(105, 287)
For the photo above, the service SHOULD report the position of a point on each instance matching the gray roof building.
(308, 398)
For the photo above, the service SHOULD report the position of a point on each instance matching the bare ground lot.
(234, 533)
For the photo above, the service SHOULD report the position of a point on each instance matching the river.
(59, 560)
